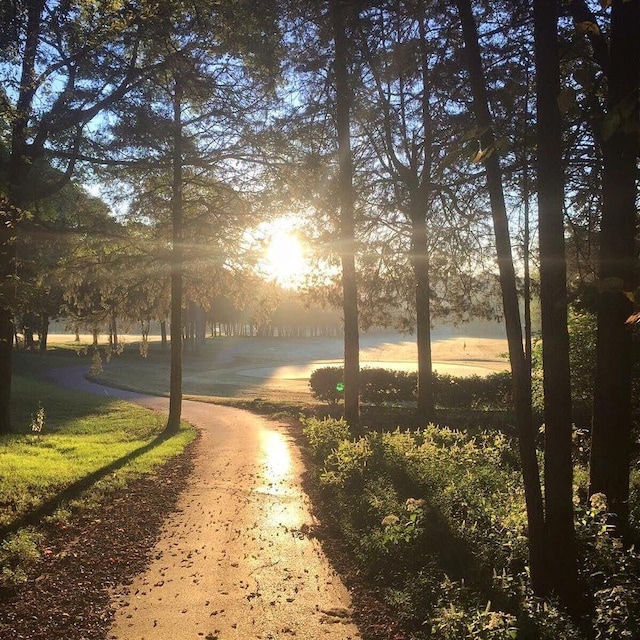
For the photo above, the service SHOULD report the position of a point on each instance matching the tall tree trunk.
(177, 259)
(563, 566)
(27, 331)
(201, 327)
(521, 376)
(344, 97)
(114, 329)
(526, 242)
(611, 434)
(420, 245)
(420, 262)
(6, 354)
(163, 334)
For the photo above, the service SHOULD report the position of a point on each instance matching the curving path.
(235, 561)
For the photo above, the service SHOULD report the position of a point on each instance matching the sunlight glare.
(277, 461)
(285, 261)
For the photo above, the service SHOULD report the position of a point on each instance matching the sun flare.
(285, 261)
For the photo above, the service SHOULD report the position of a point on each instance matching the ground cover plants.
(435, 517)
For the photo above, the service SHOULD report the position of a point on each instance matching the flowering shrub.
(612, 573)
(408, 527)
(457, 623)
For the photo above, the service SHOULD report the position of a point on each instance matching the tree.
(521, 375)
(177, 261)
(559, 518)
(187, 132)
(344, 99)
(405, 148)
(54, 247)
(612, 62)
(417, 218)
(65, 66)
(618, 267)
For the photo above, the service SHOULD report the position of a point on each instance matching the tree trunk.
(44, 331)
(344, 97)
(177, 259)
(420, 262)
(114, 329)
(563, 566)
(611, 434)
(520, 374)
(27, 332)
(6, 354)
(420, 246)
(163, 334)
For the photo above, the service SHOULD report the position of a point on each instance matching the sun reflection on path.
(278, 483)
(277, 457)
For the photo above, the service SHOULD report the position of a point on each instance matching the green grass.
(82, 434)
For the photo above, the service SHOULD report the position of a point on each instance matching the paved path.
(235, 561)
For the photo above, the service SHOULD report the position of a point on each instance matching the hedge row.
(390, 387)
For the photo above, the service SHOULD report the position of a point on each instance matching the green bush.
(324, 436)
(389, 387)
(612, 574)
(386, 386)
(325, 384)
(468, 485)
(18, 554)
(437, 518)
(582, 360)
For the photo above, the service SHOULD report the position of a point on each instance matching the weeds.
(18, 553)
(37, 420)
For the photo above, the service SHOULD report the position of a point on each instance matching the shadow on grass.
(75, 490)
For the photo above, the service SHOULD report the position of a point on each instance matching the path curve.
(236, 560)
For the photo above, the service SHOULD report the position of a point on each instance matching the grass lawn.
(244, 368)
(81, 436)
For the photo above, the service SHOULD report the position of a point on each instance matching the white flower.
(413, 504)
(599, 502)
(390, 520)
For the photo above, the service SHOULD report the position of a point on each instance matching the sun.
(285, 262)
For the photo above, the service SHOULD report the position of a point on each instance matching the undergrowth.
(436, 518)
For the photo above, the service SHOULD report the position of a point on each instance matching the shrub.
(325, 384)
(386, 386)
(347, 463)
(582, 359)
(612, 573)
(18, 554)
(458, 623)
(324, 436)
(473, 392)
(380, 386)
